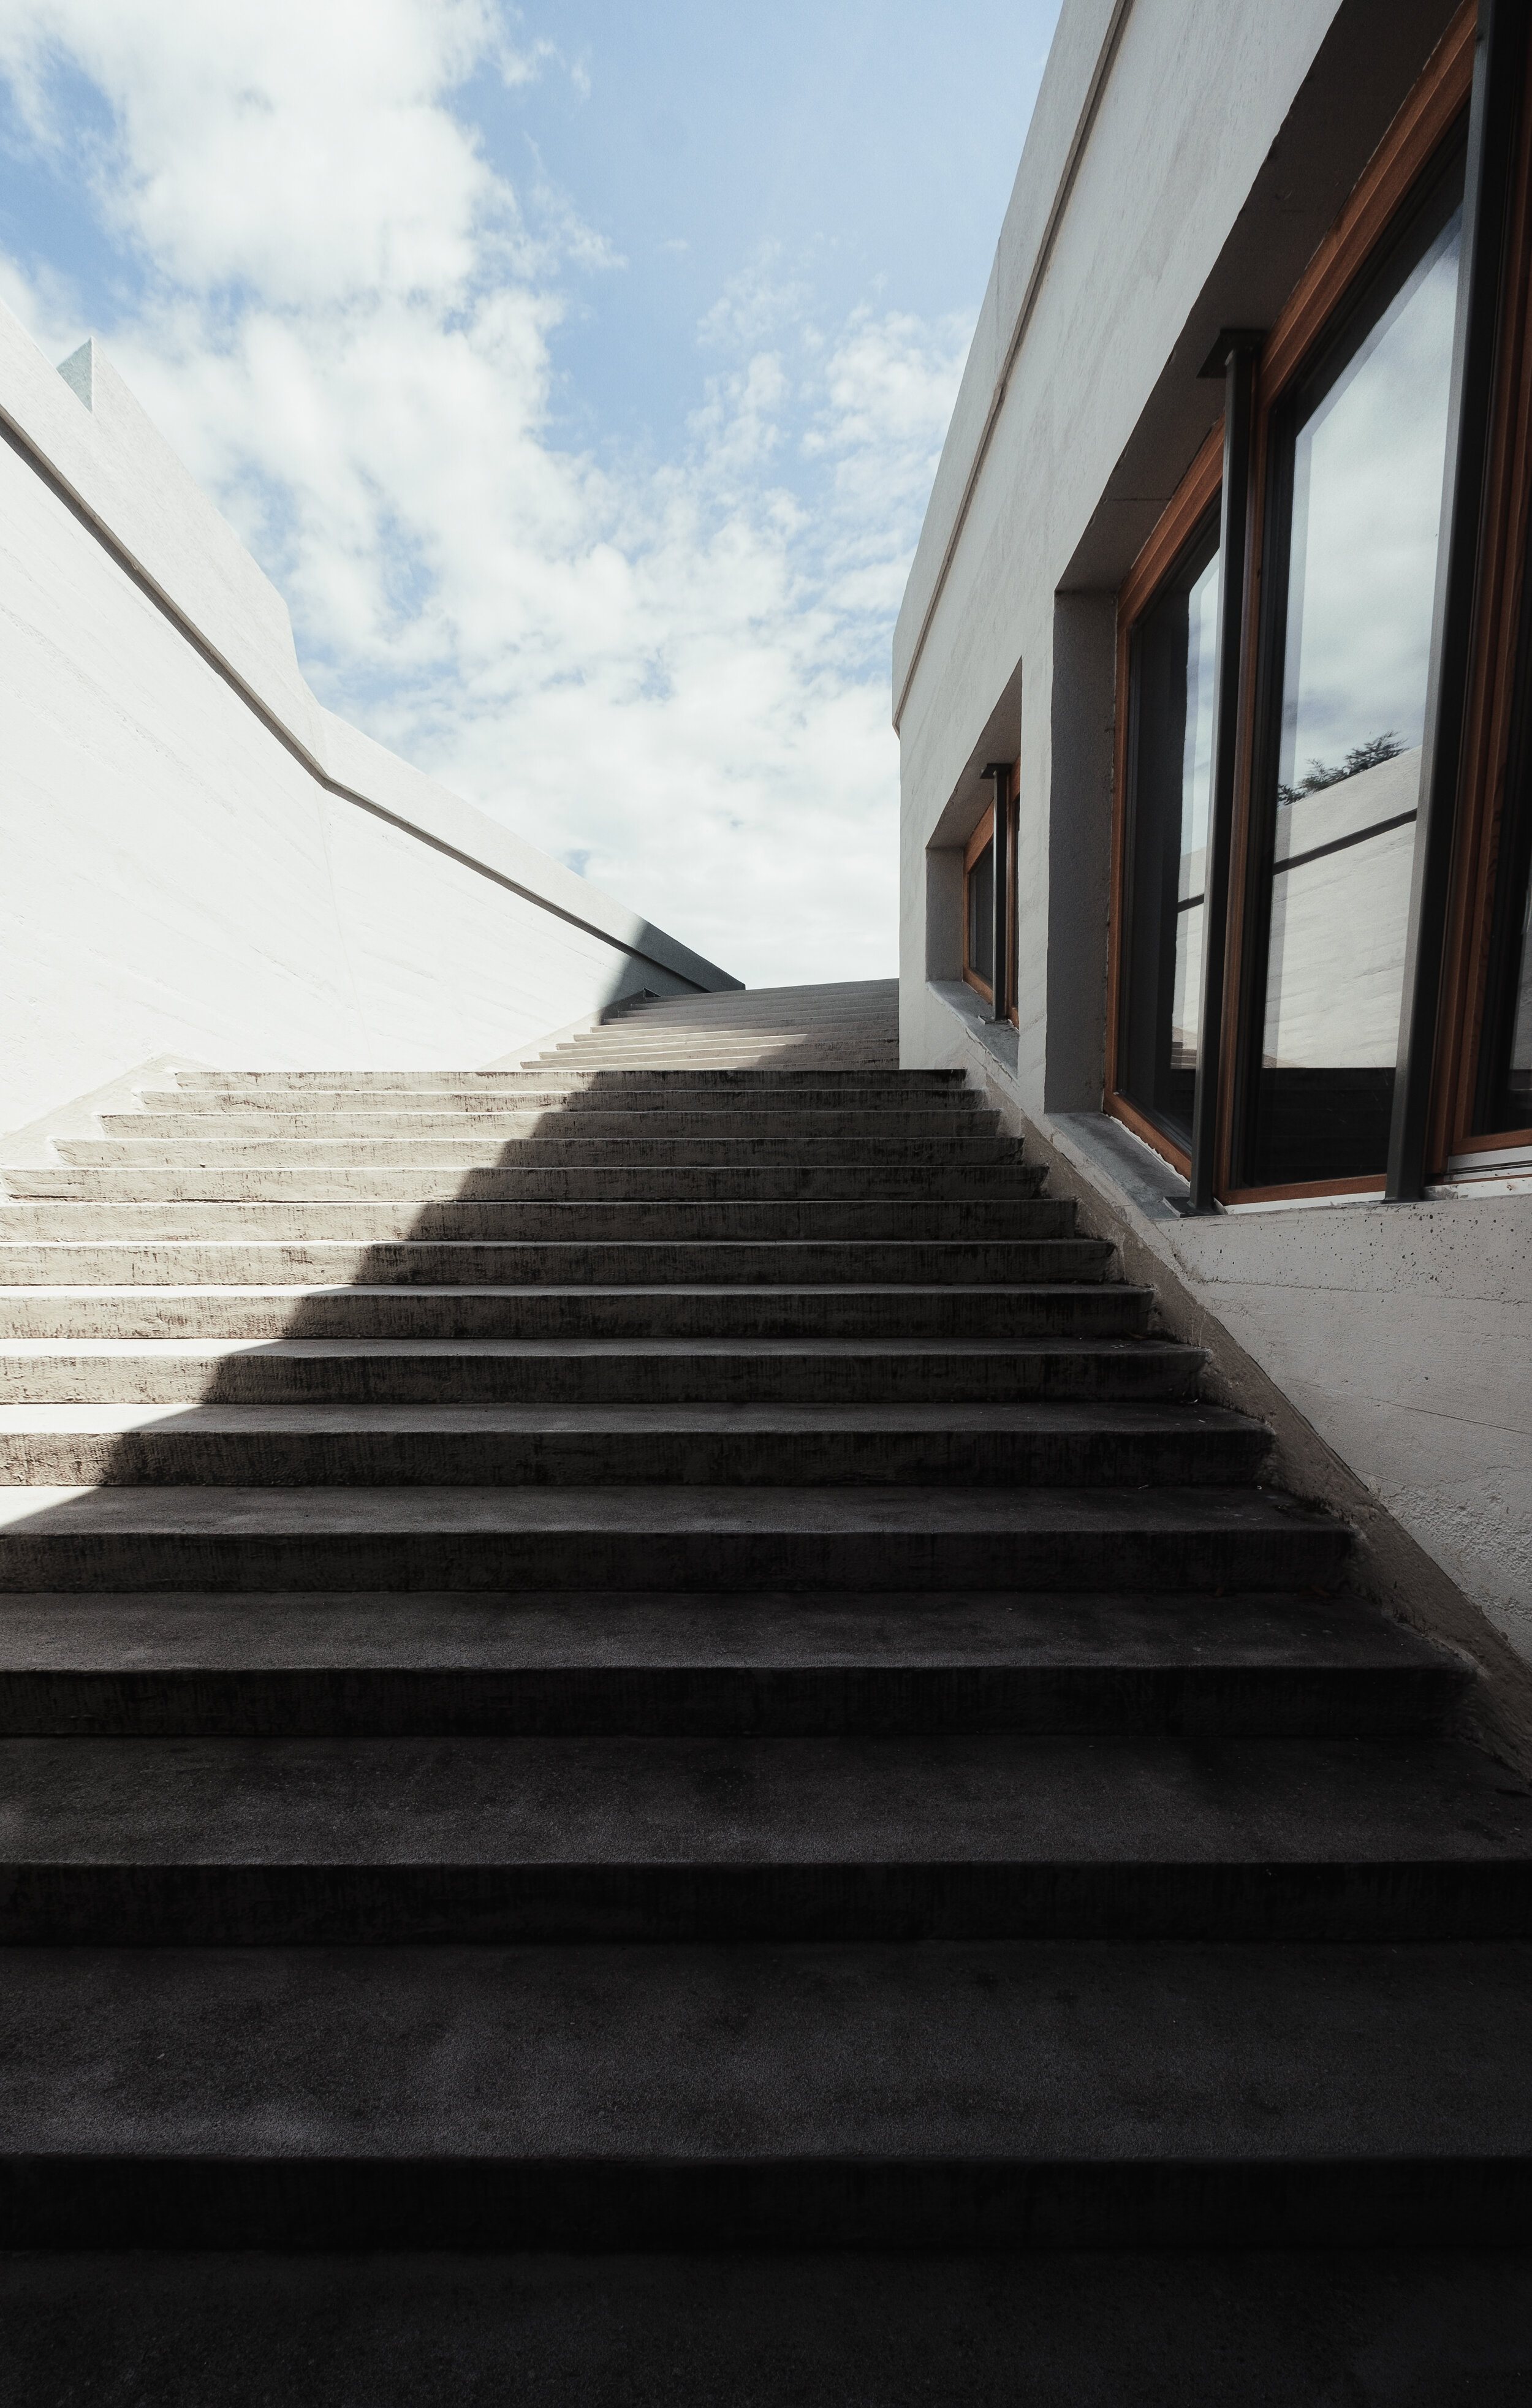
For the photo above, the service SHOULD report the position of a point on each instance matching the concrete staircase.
(649, 1653)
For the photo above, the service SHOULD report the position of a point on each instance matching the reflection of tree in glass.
(1321, 774)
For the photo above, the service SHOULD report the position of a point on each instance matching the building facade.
(1213, 685)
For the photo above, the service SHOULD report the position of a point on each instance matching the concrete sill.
(996, 1037)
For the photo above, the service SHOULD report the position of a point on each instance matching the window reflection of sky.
(1196, 797)
(1201, 671)
(1366, 503)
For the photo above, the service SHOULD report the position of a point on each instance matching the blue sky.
(578, 373)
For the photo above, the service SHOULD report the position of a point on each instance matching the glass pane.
(1174, 668)
(1516, 1106)
(981, 916)
(1360, 466)
(1504, 1100)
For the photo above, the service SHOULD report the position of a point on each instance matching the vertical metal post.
(1232, 357)
(1000, 772)
(1493, 115)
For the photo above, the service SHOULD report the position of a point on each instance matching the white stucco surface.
(1403, 1333)
(199, 859)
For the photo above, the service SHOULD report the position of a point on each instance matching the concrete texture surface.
(1162, 2328)
(976, 2095)
(702, 1861)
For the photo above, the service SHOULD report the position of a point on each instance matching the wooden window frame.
(1423, 124)
(1189, 505)
(984, 835)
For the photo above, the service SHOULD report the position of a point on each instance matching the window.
(1503, 1103)
(1172, 661)
(978, 904)
(1356, 452)
(1355, 641)
(979, 907)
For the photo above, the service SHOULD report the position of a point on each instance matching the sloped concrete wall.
(201, 861)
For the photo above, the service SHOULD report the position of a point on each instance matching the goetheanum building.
(1214, 684)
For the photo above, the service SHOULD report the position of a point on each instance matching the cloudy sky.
(577, 371)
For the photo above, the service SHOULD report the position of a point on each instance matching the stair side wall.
(200, 860)
(1384, 1345)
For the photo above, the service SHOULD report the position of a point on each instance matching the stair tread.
(299, 1292)
(616, 1802)
(1044, 2052)
(1113, 1631)
(631, 1511)
(219, 1350)
(1107, 1417)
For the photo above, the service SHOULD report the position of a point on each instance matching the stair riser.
(40, 1555)
(1082, 1311)
(281, 1905)
(657, 1701)
(276, 1182)
(430, 1457)
(429, 1262)
(831, 1221)
(308, 2202)
(1134, 1373)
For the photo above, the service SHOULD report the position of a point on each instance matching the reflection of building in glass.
(1339, 900)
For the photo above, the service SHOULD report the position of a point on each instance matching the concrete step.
(417, 1083)
(483, 1370)
(742, 1158)
(1042, 1445)
(831, 2329)
(228, 1180)
(503, 1540)
(979, 2095)
(1075, 1309)
(724, 1052)
(247, 1262)
(186, 1666)
(525, 1091)
(508, 1122)
(769, 1052)
(242, 1842)
(602, 1219)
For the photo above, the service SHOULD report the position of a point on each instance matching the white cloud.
(678, 677)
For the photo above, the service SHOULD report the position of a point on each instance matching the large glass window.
(1173, 665)
(1357, 452)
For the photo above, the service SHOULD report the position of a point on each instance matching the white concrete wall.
(1161, 178)
(1399, 1337)
(201, 861)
